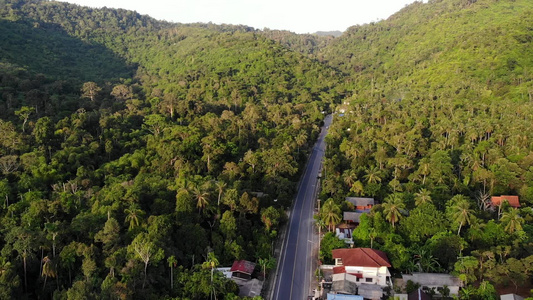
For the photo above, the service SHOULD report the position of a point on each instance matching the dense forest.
(439, 121)
(137, 155)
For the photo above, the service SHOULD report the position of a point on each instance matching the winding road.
(295, 264)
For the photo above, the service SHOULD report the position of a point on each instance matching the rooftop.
(513, 200)
(362, 257)
(433, 279)
(332, 296)
(243, 266)
(354, 216)
(359, 201)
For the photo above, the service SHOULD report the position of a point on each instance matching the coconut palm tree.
(512, 221)
(423, 196)
(220, 185)
(172, 262)
(201, 198)
(211, 263)
(373, 175)
(392, 208)
(133, 216)
(330, 214)
(48, 270)
(461, 213)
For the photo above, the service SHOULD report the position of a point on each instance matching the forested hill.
(137, 155)
(478, 50)
(439, 122)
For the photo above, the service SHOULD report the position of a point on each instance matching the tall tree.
(331, 213)
(512, 221)
(145, 250)
(423, 196)
(90, 90)
(392, 207)
(460, 211)
(201, 197)
(133, 216)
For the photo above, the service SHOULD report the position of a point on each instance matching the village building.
(361, 271)
(242, 269)
(436, 282)
(361, 204)
(496, 201)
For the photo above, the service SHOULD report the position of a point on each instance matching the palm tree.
(357, 188)
(201, 198)
(211, 263)
(48, 270)
(424, 168)
(461, 213)
(349, 178)
(301, 139)
(133, 215)
(392, 208)
(423, 196)
(331, 213)
(220, 185)
(373, 175)
(426, 262)
(512, 220)
(172, 261)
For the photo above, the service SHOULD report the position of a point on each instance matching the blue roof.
(344, 297)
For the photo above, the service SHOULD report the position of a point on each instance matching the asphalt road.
(295, 265)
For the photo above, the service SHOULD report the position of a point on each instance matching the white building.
(435, 281)
(367, 265)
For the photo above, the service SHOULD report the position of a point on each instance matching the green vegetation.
(439, 121)
(137, 155)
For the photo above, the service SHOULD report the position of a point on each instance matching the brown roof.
(339, 270)
(359, 201)
(513, 200)
(362, 257)
(243, 266)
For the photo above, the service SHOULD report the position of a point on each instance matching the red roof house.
(497, 201)
(242, 269)
(363, 266)
(361, 257)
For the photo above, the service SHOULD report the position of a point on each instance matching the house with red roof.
(242, 269)
(365, 267)
(498, 200)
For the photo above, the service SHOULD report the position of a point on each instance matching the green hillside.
(132, 148)
(439, 121)
(476, 50)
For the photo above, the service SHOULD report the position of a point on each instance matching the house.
(346, 283)
(242, 269)
(497, 201)
(435, 281)
(364, 265)
(361, 204)
(352, 216)
(343, 283)
(344, 232)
